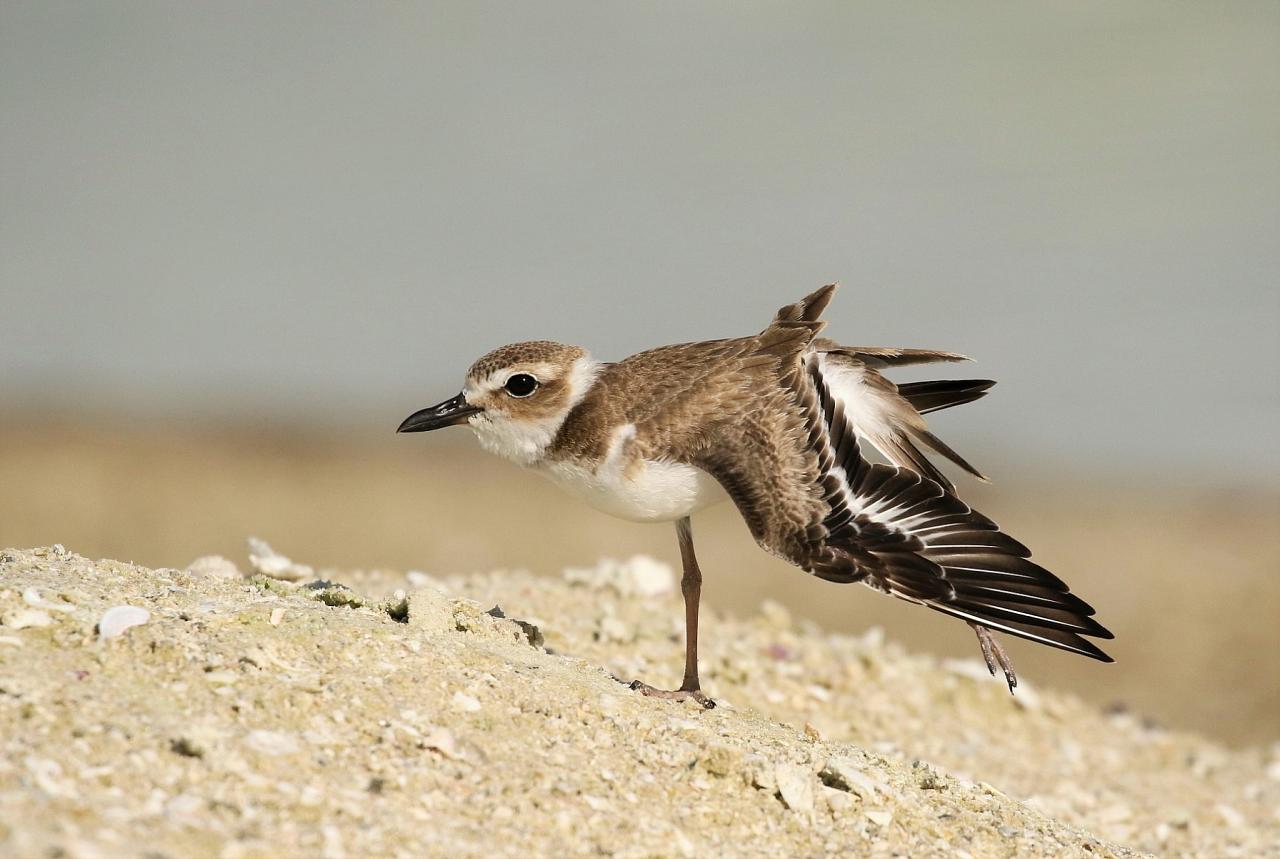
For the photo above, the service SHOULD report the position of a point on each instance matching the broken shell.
(117, 619)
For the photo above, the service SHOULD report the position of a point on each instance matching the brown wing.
(793, 467)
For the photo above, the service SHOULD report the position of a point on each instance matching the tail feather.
(928, 397)
(886, 356)
(932, 441)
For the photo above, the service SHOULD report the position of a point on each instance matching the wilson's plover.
(776, 422)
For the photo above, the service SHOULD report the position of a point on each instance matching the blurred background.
(239, 242)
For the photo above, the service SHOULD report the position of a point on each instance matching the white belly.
(657, 492)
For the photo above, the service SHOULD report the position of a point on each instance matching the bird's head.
(515, 398)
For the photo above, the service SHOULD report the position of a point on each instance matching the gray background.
(288, 211)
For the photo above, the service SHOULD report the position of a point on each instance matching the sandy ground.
(401, 715)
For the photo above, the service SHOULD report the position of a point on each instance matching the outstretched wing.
(929, 547)
(808, 495)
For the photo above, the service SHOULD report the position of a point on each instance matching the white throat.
(525, 442)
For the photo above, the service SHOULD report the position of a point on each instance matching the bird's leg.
(994, 654)
(691, 588)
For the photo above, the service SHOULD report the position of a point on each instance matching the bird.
(782, 423)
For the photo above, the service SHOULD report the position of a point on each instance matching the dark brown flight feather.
(928, 397)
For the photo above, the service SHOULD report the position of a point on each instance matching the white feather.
(869, 410)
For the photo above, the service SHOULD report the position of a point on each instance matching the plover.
(776, 422)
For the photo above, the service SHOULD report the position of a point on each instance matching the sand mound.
(237, 716)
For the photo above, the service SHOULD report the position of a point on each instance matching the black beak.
(447, 414)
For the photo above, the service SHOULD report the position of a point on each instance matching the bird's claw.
(673, 694)
(994, 655)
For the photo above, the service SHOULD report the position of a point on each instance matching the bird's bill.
(449, 413)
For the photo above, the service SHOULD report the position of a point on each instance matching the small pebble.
(722, 760)
(268, 562)
(795, 785)
(818, 693)
(927, 778)
(277, 615)
(613, 629)
(184, 809)
(221, 678)
(837, 800)
(273, 743)
(880, 817)
(640, 576)
(419, 579)
(760, 773)
(214, 567)
(117, 619)
(465, 703)
(442, 741)
(649, 577)
(26, 618)
(1230, 816)
(845, 774)
(33, 598)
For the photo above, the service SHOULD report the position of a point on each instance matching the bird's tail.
(928, 397)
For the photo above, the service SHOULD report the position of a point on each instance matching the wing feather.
(949, 557)
(792, 463)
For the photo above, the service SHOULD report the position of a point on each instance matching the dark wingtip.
(926, 397)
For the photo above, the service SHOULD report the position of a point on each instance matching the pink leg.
(691, 588)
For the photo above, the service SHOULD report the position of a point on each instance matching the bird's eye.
(521, 385)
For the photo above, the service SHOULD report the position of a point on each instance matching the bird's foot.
(673, 694)
(994, 655)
